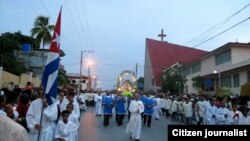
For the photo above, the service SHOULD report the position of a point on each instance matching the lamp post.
(215, 72)
(94, 79)
(81, 62)
(89, 79)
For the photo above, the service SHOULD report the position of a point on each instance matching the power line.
(217, 26)
(81, 23)
(79, 35)
(31, 5)
(222, 32)
(87, 24)
(45, 8)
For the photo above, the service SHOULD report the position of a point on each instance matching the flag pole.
(41, 119)
(53, 48)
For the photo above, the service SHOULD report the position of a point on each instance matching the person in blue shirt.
(149, 104)
(120, 108)
(108, 104)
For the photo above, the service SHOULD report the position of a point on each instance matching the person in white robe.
(223, 115)
(98, 104)
(174, 109)
(227, 114)
(82, 102)
(168, 106)
(64, 128)
(70, 98)
(210, 113)
(157, 107)
(136, 107)
(236, 115)
(74, 119)
(41, 128)
(202, 109)
(245, 120)
(188, 110)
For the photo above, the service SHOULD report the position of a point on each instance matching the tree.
(42, 30)
(173, 80)
(62, 78)
(8, 43)
(140, 80)
(140, 83)
(198, 82)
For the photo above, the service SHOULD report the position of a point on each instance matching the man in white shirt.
(41, 118)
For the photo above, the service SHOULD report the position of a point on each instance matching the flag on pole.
(50, 74)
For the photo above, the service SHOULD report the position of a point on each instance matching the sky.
(116, 30)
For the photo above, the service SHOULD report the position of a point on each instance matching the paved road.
(92, 129)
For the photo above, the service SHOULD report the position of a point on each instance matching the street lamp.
(215, 72)
(89, 80)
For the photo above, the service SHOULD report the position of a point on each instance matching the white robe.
(244, 120)
(174, 106)
(220, 116)
(188, 109)
(64, 131)
(64, 104)
(98, 104)
(168, 104)
(201, 108)
(210, 111)
(134, 125)
(74, 119)
(157, 108)
(48, 120)
(236, 120)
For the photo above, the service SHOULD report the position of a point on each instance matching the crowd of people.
(29, 108)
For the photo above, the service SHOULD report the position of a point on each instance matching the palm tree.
(41, 30)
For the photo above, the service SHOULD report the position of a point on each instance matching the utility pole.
(81, 61)
(89, 77)
(136, 69)
(80, 79)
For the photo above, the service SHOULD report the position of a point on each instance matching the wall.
(148, 74)
(21, 80)
(8, 77)
(239, 54)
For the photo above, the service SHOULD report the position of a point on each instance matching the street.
(92, 129)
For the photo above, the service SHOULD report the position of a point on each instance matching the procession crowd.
(60, 121)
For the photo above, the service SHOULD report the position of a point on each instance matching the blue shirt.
(107, 102)
(120, 105)
(149, 104)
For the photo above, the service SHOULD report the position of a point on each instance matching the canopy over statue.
(126, 82)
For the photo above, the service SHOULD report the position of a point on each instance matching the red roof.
(163, 55)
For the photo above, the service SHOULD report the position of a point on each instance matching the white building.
(226, 66)
(74, 79)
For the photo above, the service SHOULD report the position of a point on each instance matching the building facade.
(78, 81)
(35, 60)
(226, 66)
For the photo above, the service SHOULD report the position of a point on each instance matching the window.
(186, 71)
(196, 68)
(223, 57)
(226, 81)
(236, 80)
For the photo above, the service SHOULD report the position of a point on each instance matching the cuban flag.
(50, 74)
